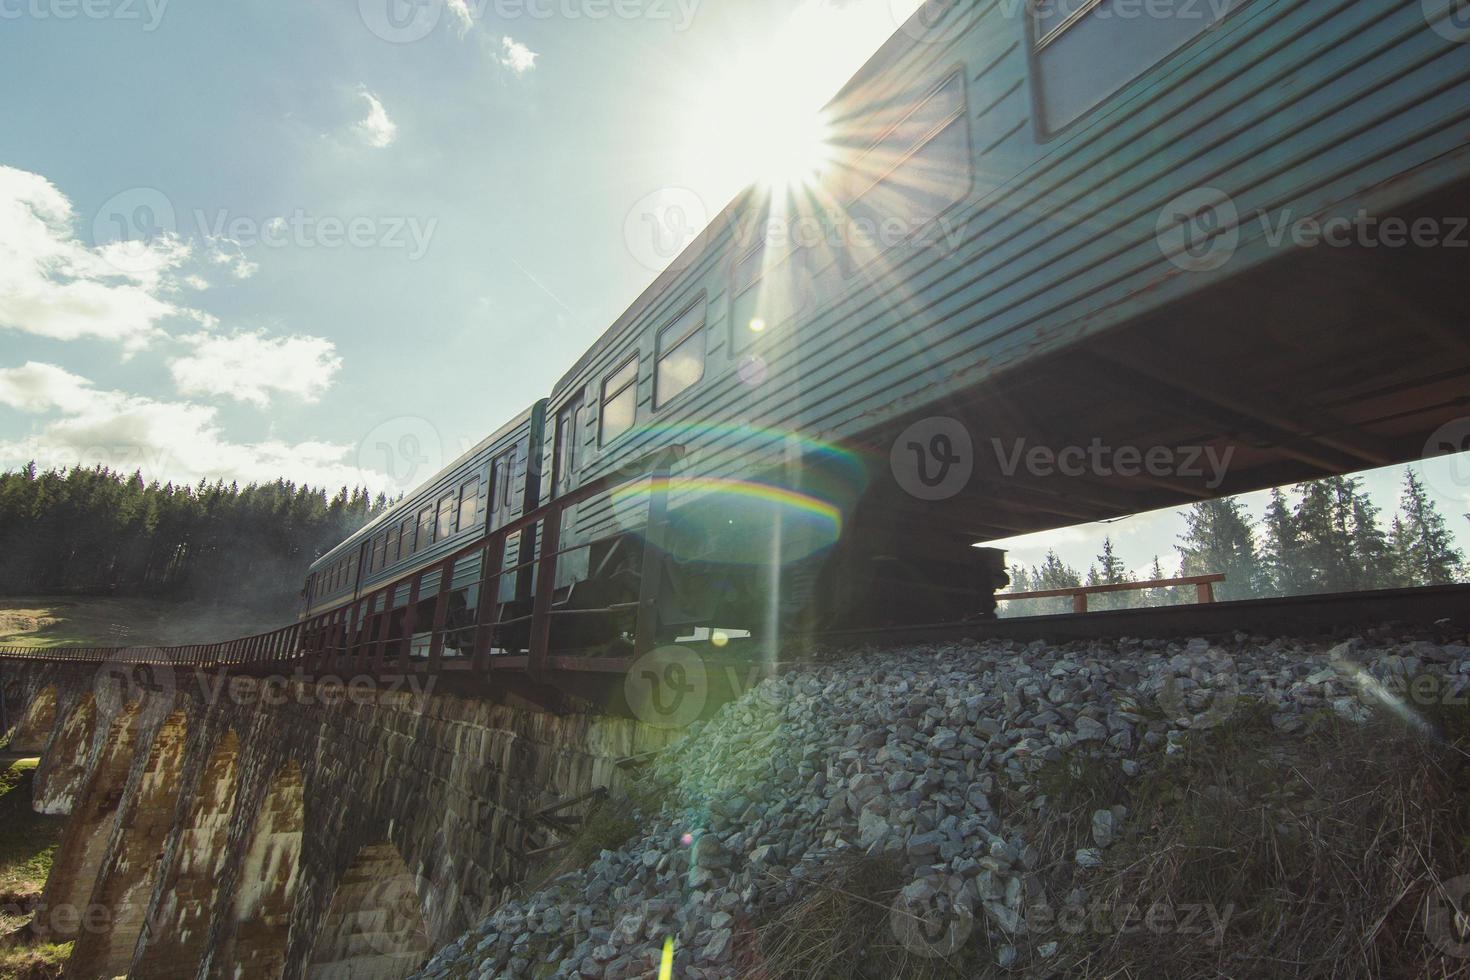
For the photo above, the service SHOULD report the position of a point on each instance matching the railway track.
(731, 667)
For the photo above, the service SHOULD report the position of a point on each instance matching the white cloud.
(250, 367)
(179, 441)
(376, 129)
(233, 261)
(460, 11)
(516, 56)
(53, 285)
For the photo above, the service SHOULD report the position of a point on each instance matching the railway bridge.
(248, 809)
(224, 824)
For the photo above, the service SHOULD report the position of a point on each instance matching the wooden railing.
(1204, 590)
(360, 636)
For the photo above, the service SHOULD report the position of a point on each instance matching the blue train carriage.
(361, 591)
(1051, 228)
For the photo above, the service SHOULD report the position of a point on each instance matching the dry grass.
(841, 926)
(51, 621)
(1319, 853)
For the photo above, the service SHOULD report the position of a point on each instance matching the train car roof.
(410, 500)
(887, 52)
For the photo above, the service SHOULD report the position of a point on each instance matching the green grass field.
(58, 621)
(27, 843)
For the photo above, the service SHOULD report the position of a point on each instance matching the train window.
(375, 561)
(390, 553)
(768, 290)
(405, 538)
(446, 517)
(681, 350)
(1084, 51)
(915, 172)
(426, 529)
(619, 402)
(469, 505)
(502, 477)
(568, 448)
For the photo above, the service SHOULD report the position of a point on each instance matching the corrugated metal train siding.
(1283, 105)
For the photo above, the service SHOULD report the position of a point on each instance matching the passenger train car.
(1071, 224)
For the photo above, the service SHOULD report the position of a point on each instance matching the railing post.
(441, 613)
(545, 590)
(385, 623)
(488, 611)
(1204, 593)
(649, 586)
(410, 623)
(1079, 602)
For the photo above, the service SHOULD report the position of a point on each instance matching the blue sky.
(332, 224)
(316, 239)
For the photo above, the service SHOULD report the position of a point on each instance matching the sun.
(794, 151)
(756, 114)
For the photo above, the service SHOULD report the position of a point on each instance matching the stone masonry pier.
(234, 827)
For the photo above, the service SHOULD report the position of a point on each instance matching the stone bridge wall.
(261, 829)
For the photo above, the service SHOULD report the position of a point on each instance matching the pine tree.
(1341, 545)
(1219, 537)
(1160, 595)
(1110, 570)
(1282, 554)
(1054, 574)
(1422, 546)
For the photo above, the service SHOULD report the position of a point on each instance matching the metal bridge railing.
(373, 633)
(1204, 590)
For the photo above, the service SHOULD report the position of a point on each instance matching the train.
(1048, 228)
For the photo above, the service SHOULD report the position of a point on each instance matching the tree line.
(99, 532)
(1330, 539)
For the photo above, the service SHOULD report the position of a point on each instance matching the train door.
(568, 449)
